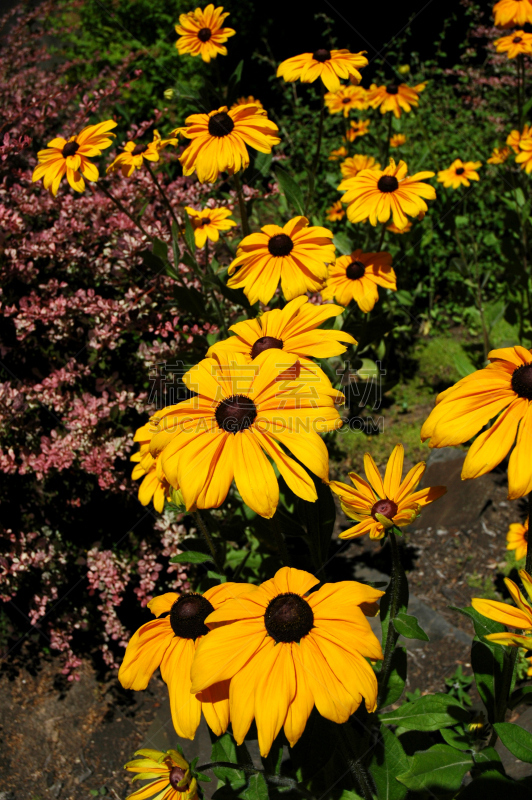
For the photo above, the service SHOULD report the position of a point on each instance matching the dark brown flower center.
(266, 343)
(392, 89)
(355, 270)
(460, 170)
(176, 776)
(204, 221)
(288, 618)
(188, 614)
(522, 381)
(220, 124)
(70, 149)
(280, 245)
(236, 413)
(321, 55)
(139, 149)
(204, 34)
(517, 39)
(346, 100)
(387, 508)
(388, 183)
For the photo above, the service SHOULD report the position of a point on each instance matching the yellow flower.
(520, 617)
(346, 98)
(72, 157)
(154, 485)
(293, 329)
(296, 255)
(502, 390)
(209, 222)
(517, 539)
(515, 137)
(460, 173)
(499, 155)
(286, 648)
(356, 129)
(512, 12)
(219, 140)
(201, 33)
(329, 65)
(518, 43)
(377, 195)
(356, 277)
(240, 415)
(397, 140)
(379, 504)
(134, 154)
(352, 166)
(395, 98)
(336, 212)
(245, 101)
(524, 156)
(170, 642)
(172, 779)
(335, 155)
(394, 229)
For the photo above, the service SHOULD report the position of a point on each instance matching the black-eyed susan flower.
(154, 485)
(293, 329)
(524, 154)
(352, 166)
(329, 65)
(336, 155)
(170, 642)
(219, 140)
(517, 539)
(512, 12)
(395, 98)
(356, 129)
(379, 504)
(515, 137)
(169, 772)
(517, 44)
(296, 255)
(520, 617)
(286, 648)
(460, 173)
(241, 415)
(356, 277)
(378, 195)
(499, 155)
(336, 212)
(394, 229)
(133, 156)
(246, 101)
(71, 157)
(201, 33)
(501, 391)
(397, 140)
(345, 99)
(209, 222)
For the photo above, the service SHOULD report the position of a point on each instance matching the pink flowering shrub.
(86, 315)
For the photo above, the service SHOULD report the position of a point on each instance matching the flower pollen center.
(236, 414)
(388, 183)
(266, 343)
(288, 618)
(355, 270)
(387, 508)
(393, 89)
(70, 149)
(175, 777)
(345, 100)
(460, 170)
(517, 39)
(139, 149)
(280, 245)
(522, 381)
(321, 55)
(220, 124)
(188, 615)
(204, 34)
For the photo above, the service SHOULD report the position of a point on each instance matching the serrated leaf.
(191, 557)
(516, 739)
(428, 713)
(387, 761)
(291, 190)
(409, 627)
(439, 769)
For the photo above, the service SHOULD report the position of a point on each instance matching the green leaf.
(160, 248)
(488, 760)
(409, 627)
(263, 163)
(291, 190)
(521, 695)
(397, 679)
(191, 557)
(189, 235)
(385, 602)
(457, 737)
(189, 299)
(437, 770)
(224, 749)
(319, 518)
(152, 261)
(343, 243)
(257, 788)
(388, 759)
(429, 713)
(516, 739)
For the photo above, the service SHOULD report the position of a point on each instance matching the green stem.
(387, 148)
(528, 565)
(276, 780)
(508, 667)
(209, 268)
(246, 230)
(381, 240)
(119, 205)
(350, 752)
(519, 66)
(315, 162)
(392, 635)
(162, 193)
(210, 541)
(280, 542)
